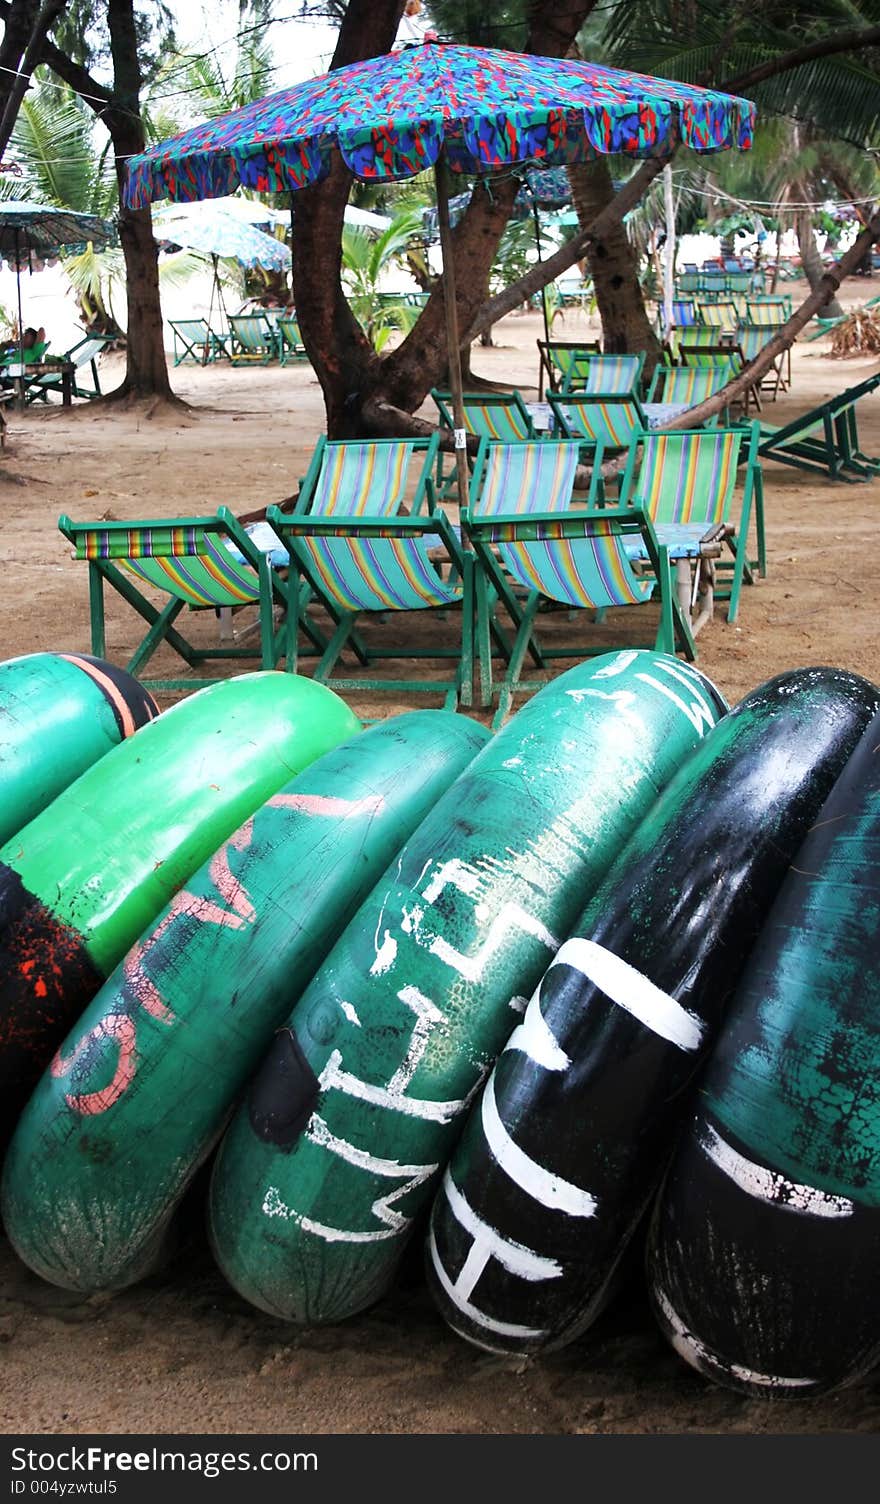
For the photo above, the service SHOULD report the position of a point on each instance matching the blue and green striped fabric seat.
(488, 415)
(516, 479)
(721, 315)
(768, 308)
(591, 570)
(609, 374)
(687, 384)
(685, 477)
(188, 562)
(375, 572)
(685, 483)
(611, 421)
(353, 478)
(200, 563)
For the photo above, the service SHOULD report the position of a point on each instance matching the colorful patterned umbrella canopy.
(43, 230)
(392, 116)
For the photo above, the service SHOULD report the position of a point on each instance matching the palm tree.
(366, 259)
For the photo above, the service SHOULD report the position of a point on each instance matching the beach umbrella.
(219, 231)
(31, 232)
(460, 110)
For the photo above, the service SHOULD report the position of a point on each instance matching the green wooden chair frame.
(825, 440)
(199, 342)
(566, 544)
(561, 358)
(362, 568)
(252, 339)
(291, 344)
(208, 576)
(675, 511)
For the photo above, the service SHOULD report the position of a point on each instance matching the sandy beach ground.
(181, 1352)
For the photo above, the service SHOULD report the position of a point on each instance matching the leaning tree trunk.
(613, 267)
(811, 261)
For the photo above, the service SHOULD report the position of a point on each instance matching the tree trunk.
(613, 267)
(146, 372)
(811, 261)
(364, 393)
(146, 368)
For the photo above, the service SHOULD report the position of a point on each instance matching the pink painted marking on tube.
(327, 804)
(120, 1028)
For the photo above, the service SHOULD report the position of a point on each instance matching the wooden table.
(24, 376)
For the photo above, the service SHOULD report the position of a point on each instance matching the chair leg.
(96, 611)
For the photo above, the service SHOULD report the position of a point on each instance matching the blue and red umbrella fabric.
(392, 117)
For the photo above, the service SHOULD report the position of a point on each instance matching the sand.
(181, 1352)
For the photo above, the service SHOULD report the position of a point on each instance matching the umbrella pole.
(544, 288)
(20, 320)
(452, 343)
(214, 283)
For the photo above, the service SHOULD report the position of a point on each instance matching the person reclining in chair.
(34, 345)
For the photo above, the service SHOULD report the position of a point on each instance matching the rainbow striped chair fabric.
(575, 558)
(204, 563)
(685, 483)
(751, 340)
(721, 315)
(361, 555)
(489, 415)
(686, 384)
(564, 360)
(606, 374)
(768, 308)
(253, 339)
(609, 424)
(290, 342)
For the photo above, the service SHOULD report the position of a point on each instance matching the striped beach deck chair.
(561, 360)
(361, 557)
(608, 374)
(825, 440)
(684, 315)
(191, 561)
(751, 339)
(195, 340)
(253, 340)
(487, 415)
(685, 384)
(716, 356)
(685, 482)
(718, 315)
(609, 424)
(290, 345)
(768, 308)
(528, 557)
